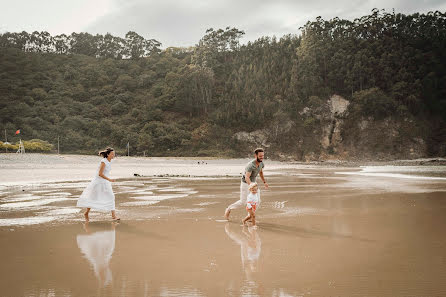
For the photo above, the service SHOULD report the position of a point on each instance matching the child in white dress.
(99, 193)
(252, 203)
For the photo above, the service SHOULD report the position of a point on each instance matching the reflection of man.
(98, 248)
(250, 247)
(252, 169)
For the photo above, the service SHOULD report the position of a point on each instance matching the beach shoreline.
(322, 230)
(34, 169)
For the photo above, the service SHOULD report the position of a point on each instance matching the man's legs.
(240, 202)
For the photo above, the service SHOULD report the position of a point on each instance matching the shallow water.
(320, 233)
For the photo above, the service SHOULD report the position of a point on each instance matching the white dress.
(99, 193)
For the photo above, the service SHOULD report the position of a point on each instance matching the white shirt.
(253, 199)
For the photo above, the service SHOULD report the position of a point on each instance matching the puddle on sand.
(26, 221)
(32, 203)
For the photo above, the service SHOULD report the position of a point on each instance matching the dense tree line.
(100, 90)
(132, 46)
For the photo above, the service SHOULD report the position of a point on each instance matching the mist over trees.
(98, 90)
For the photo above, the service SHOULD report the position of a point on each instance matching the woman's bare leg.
(86, 214)
(114, 217)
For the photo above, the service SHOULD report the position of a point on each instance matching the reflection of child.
(252, 202)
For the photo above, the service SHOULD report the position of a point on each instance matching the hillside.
(373, 88)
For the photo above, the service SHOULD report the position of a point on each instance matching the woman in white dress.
(99, 193)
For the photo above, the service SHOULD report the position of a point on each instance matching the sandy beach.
(322, 231)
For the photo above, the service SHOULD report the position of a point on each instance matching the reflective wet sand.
(321, 232)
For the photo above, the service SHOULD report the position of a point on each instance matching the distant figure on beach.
(252, 169)
(252, 203)
(99, 193)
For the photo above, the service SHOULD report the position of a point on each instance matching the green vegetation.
(95, 91)
(33, 145)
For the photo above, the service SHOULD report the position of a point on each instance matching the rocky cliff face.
(256, 138)
(330, 131)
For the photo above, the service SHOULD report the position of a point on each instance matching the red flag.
(17, 132)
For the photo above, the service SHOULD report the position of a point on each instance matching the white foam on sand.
(152, 199)
(393, 175)
(204, 178)
(185, 210)
(31, 203)
(26, 221)
(146, 198)
(206, 203)
(141, 192)
(58, 194)
(69, 184)
(160, 197)
(176, 190)
(394, 179)
(139, 203)
(63, 211)
(140, 188)
(406, 172)
(19, 198)
(160, 180)
(131, 183)
(302, 211)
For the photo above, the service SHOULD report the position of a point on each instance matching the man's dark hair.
(258, 150)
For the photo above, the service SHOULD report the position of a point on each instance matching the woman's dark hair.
(106, 152)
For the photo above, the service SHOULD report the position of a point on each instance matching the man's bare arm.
(247, 177)
(263, 179)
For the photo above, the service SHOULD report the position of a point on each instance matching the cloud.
(54, 16)
(184, 22)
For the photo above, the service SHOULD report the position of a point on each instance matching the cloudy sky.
(184, 22)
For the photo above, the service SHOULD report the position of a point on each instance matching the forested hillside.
(370, 88)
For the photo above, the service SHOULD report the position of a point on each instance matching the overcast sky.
(184, 22)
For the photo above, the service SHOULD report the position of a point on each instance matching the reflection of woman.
(98, 248)
(250, 247)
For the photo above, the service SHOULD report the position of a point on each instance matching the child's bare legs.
(114, 217)
(251, 216)
(245, 220)
(86, 214)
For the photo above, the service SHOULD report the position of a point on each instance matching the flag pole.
(21, 149)
(6, 140)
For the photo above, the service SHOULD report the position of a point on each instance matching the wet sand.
(322, 232)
